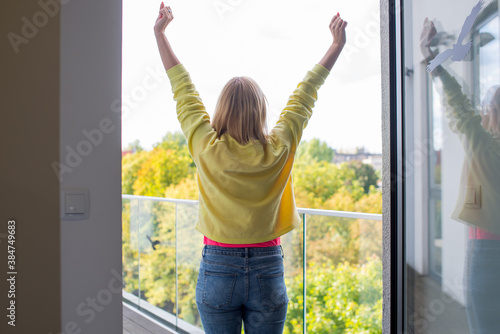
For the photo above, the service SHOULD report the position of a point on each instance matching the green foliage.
(149, 173)
(322, 180)
(174, 141)
(134, 146)
(129, 253)
(162, 168)
(186, 189)
(364, 173)
(318, 178)
(314, 149)
(341, 298)
(131, 163)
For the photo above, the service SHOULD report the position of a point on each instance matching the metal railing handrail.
(317, 212)
(161, 199)
(342, 214)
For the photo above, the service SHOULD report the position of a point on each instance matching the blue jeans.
(242, 284)
(482, 286)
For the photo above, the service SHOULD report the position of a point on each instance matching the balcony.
(335, 255)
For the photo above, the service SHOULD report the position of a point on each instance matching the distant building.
(360, 154)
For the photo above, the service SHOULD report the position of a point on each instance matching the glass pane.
(436, 142)
(452, 161)
(157, 255)
(293, 248)
(344, 275)
(189, 248)
(130, 251)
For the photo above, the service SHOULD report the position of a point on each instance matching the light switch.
(470, 196)
(75, 204)
(473, 197)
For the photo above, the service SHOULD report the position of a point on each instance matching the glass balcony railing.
(335, 255)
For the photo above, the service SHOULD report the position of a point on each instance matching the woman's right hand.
(428, 33)
(337, 28)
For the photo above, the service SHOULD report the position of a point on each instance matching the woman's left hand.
(165, 16)
(485, 119)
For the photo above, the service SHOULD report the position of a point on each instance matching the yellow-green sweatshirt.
(246, 193)
(479, 181)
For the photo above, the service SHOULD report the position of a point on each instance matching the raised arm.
(461, 114)
(296, 114)
(168, 57)
(191, 113)
(337, 28)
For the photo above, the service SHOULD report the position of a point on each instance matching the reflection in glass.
(436, 144)
(453, 287)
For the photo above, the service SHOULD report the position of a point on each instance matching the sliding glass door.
(450, 144)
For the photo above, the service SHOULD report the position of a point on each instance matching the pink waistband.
(479, 233)
(270, 243)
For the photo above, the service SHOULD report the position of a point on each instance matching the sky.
(275, 43)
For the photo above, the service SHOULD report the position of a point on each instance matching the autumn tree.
(314, 149)
(131, 163)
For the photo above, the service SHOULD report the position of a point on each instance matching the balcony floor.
(452, 318)
(136, 323)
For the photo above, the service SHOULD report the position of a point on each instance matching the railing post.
(176, 275)
(304, 276)
(139, 251)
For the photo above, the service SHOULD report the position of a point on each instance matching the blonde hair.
(491, 104)
(495, 117)
(241, 111)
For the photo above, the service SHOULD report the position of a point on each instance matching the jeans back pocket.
(273, 291)
(217, 289)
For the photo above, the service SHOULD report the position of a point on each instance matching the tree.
(185, 189)
(364, 173)
(318, 178)
(131, 163)
(341, 298)
(314, 149)
(134, 146)
(149, 173)
(162, 168)
(171, 140)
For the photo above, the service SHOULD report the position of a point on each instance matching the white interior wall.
(90, 81)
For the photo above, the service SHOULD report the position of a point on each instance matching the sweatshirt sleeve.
(191, 113)
(294, 117)
(461, 114)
